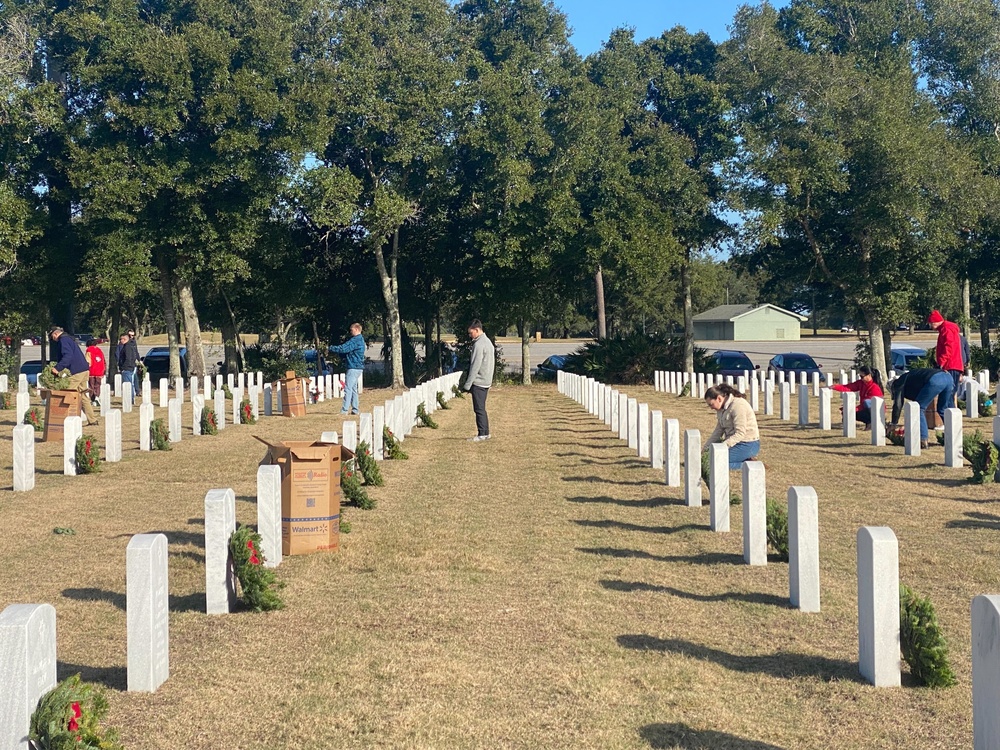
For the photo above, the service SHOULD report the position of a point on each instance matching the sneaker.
(479, 438)
(924, 444)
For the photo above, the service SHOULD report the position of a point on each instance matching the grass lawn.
(540, 590)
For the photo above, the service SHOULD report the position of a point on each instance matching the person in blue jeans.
(922, 386)
(354, 352)
(736, 424)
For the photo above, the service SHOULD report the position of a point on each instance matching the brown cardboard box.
(58, 406)
(293, 400)
(310, 494)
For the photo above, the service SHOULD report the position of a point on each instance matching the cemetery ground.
(541, 589)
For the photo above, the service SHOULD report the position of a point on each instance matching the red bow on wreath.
(253, 553)
(74, 722)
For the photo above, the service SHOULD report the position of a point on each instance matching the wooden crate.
(58, 406)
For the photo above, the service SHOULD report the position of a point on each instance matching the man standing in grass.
(72, 359)
(948, 352)
(354, 352)
(480, 378)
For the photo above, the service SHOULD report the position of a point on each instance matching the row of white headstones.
(28, 631)
(878, 551)
(756, 383)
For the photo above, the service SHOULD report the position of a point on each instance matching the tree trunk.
(432, 358)
(688, 317)
(966, 308)
(113, 333)
(886, 346)
(390, 294)
(167, 298)
(602, 318)
(984, 325)
(231, 340)
(192, 329)
(875, 340)
(524, 329)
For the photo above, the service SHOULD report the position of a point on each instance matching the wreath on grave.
(35, 419)
(685, 391)
(424, 417)
(939, 436)
(896, 435)
(985, 404)
(6, 400)
(392, 450)
(350, 485)
(88, 456)
(258, 585)
(53, 381)
(69, 716)
(209, 424)
(983, 457)
(159, 436)
(777, 528)
(228, 393)
(246, 412)
(368, 466)
(440, 399)
(457, 391)
(921, 640)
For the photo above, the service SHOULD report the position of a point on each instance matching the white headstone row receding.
(399, 414)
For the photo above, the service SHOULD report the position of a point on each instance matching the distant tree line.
(287, 167)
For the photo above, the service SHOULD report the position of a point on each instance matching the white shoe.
(479, 438)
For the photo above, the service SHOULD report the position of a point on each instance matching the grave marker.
(145, 420)
(24, 458)
(986, 672)
(622, 416)
(72, 429)
(878, 606)
(878, 421)
(672, 459)
(378, 423)
(656, 440)
(105, 398)
(220, 409)
(692, 468)
(365, 429)
(850, 414)
(815, 383)
(643, 425)
(633, 424)
(825, 409)
(118, 384)
(718, 486)
(803, 548)
(174, 419)
(971, 399)
(147, 391)
(27, 667)
(351, 436)
(197, 409)
(113, 436)
(953, 438)
(269, 512)
(22, 383)
(615, 406)
(220, 575)
(769, 397)
(786, 398)
(128, 398)
(803, 405)
(754, 513)
(147, 608)
(911, 421)
(22, 405)
(164, 392)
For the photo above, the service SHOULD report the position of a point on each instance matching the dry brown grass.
(543, 589)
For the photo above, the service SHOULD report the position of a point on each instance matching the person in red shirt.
(949, 347)
(98, 366)
(867, 388)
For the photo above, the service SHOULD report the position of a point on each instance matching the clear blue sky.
(593, 20)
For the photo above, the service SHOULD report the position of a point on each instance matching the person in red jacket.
(949, 347)
(98, 365)
(868, 387)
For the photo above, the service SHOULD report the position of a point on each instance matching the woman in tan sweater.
(737, 425)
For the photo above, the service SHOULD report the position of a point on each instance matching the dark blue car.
(733, 363)
(793, 362)
(547, 370)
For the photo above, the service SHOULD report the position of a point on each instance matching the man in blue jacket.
(354, 352)
(71, 358)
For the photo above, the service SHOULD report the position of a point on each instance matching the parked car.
(732, 362)
(157, 363)
(903, 355)
(847, 328)
(547, 370)
(311, 363)
(793, 362)
(31, 368)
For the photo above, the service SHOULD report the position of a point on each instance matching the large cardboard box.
(58, 406)
(310, 494)
(293, 398)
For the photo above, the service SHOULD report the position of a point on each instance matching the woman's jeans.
(741, 452)
(940, 385)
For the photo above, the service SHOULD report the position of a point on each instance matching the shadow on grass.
(683, 737)
(190, 603)
(113, 678)
(653, 502)
(780, 664)
(976, 521)
(941, 481)
(625, 526)
(609, 443)
(704, 558)
(728, 596)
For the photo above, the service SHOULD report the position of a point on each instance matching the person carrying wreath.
(867, 387)
(737, 424)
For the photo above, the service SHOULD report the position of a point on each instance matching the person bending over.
(922, 386)
(737, 424)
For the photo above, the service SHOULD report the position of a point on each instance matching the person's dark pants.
(864, 414)
(479, 395)
(956, 376)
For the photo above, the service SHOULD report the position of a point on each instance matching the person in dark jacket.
(71, 358)
(128, 359)
(354, 352)
(922, 386)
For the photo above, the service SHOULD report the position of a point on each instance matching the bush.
(10, 363)
(921, 641)
(777, 528)
(985, 359)
(274, 360)
(632, 359)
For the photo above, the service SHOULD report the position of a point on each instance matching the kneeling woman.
(737, 425)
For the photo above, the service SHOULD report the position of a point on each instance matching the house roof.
(729, 313)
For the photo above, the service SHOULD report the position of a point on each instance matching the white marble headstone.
(269, 513)
(220, 575)
(878, 606)
(147, 606)
(27, 667)
(72, 429)
(24, 458)
(113, 436)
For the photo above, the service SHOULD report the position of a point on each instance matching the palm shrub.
(921, 640)
(632, 359)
